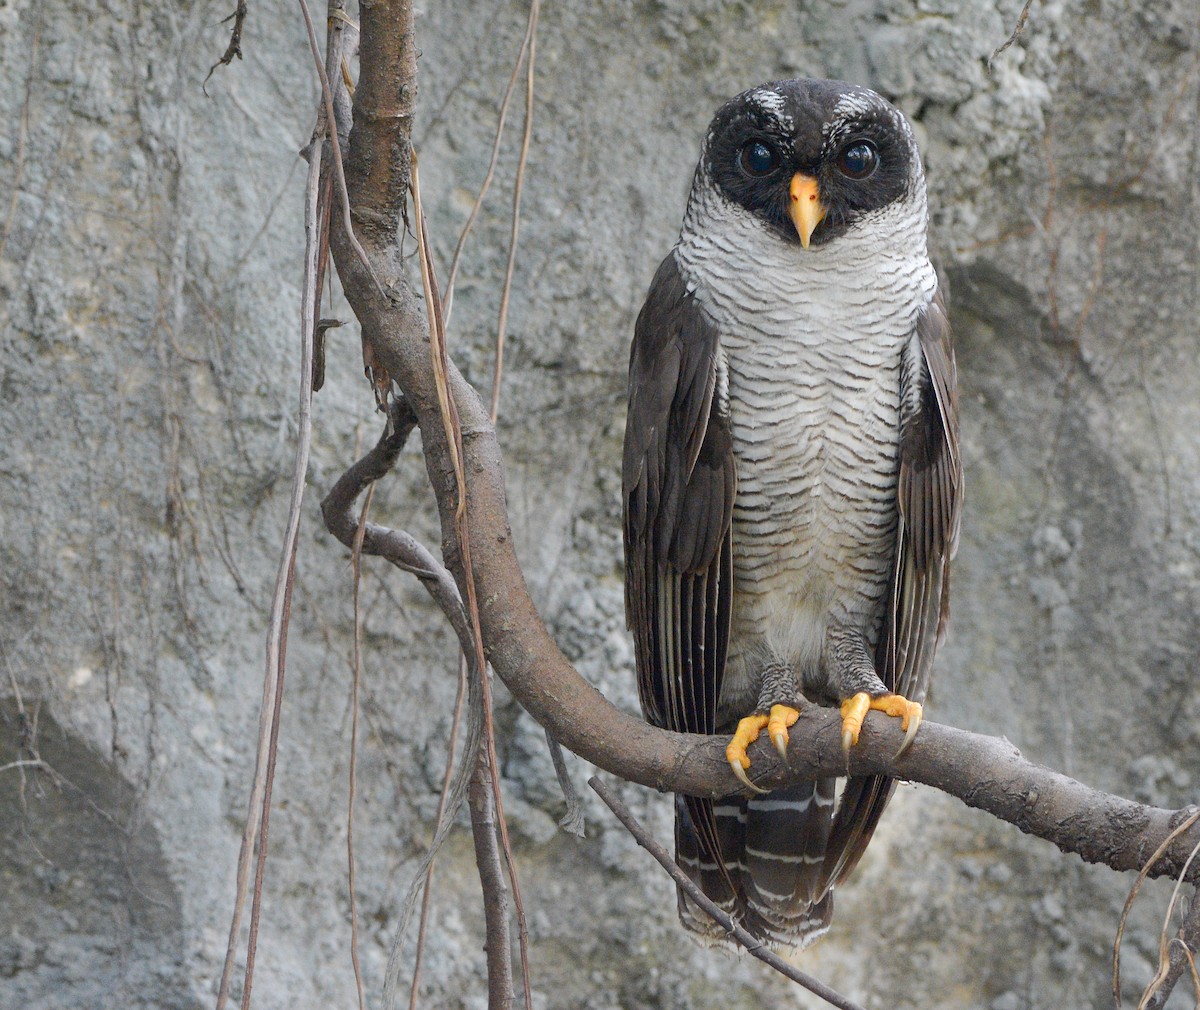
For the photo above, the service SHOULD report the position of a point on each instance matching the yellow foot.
(748, 730)
(855, 709)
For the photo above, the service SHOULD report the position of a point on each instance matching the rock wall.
(149, 269)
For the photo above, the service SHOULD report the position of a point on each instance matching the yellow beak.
(805, 208)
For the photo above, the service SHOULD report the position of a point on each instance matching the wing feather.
(678, 488)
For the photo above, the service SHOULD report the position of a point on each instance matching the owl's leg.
(861, 690)
(778, 709)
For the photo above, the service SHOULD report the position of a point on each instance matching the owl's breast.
(815, 428)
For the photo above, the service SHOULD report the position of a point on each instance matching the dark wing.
(929, 497)
(678, 483)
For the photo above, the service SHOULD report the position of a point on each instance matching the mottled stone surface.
(150, 246)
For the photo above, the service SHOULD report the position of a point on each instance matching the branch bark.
(984, 772)
(498, 945)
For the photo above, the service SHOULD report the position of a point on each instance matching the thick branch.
(396, 546)
(385, 98)
(983, 772)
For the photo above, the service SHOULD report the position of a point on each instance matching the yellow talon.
(782, 718)
(746, 733)
(855, 709)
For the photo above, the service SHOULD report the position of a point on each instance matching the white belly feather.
(812, 381)
(814, 519)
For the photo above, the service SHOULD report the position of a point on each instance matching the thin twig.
(338, 167)
(1020, 27)
(37, 763)
(451, 744)
(1133, 893)
(260, 865)
(282, 603)
(258, 814)
(572, 821)
(437, 349)
(1174, 954)
(335, 19)
(518, 188)
(448, 299)
(751, 943)
(356, 566)
(510, 864)
(238, 17)
(497, 944)
(453, 433)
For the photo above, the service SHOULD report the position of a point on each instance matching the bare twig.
(238, 17)
(752, 944)
(30, 763)
(455, 725)
(1133, 893)
(1020, 27)
(497, 944)
(1174, 954)
(396, 546)
(352, 789)
(572, 820)
(518, 187)
(258, 815)
(260, 865)
(451, 426)
(452, 274)
(338, 167)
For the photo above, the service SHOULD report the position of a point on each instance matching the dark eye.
(758, 159)
(859, 160)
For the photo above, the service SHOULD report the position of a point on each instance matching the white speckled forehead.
(773, 104)
(858, 104)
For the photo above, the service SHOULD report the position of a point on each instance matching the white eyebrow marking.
(767, 100)
(773, 104)
(859, 102)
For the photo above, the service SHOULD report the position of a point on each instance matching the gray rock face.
(150, 252)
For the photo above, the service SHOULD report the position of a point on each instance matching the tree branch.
(983, 772)
(384, 101)
(400, 548)
(498, 943)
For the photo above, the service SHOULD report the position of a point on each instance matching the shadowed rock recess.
(150, 256)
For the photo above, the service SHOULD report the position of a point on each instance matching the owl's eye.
(758, 159)
(859, 160)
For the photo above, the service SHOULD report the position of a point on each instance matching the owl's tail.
(769, 872)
